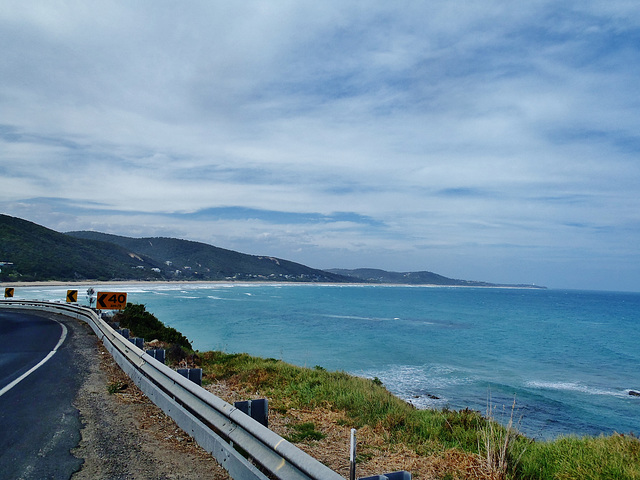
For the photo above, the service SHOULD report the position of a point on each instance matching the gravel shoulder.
(124, 435)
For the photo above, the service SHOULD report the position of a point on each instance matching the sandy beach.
(88, 283)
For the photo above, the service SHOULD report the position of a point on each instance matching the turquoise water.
(569, 358)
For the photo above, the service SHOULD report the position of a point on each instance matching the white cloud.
(466, 132)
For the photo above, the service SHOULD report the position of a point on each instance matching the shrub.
(146, 325)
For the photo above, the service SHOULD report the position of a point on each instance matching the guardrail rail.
(217, 426)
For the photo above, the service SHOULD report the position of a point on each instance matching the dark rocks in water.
(633, 393)
(428, 395)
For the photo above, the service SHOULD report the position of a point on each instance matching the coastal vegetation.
(462, 444)
(144, 324)
(503, 452)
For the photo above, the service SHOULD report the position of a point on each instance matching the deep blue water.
(569, 358)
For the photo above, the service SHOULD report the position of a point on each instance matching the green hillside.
(31, 252)
(38, 253)
(184, 259)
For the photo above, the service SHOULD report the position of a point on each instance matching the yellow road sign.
(111, 300)
(72, 296)
(8, 292)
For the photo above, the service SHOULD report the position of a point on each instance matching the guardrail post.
(193, 374)
(400, 475)
(256, 409)
(124, 332)
(137, 341)
(157, 353)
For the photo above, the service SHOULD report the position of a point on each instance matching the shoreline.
(59, 283)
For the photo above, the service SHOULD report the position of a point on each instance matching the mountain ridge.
(30, 252)
(374, 275)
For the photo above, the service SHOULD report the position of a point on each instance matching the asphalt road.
(38, 422)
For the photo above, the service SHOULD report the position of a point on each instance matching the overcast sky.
(488, 140)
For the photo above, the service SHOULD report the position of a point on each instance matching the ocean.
(567, 358)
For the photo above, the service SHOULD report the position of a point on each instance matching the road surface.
(110, 438)
(38, 423)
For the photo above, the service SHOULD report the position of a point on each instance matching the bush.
(146, 325)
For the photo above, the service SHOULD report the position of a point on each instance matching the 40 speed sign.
(111, 300)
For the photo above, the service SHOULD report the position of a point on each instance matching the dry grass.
(498, 443)
(375, 453)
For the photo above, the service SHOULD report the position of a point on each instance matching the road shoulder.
(124, 434)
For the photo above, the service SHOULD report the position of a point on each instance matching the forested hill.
(185, 259)
(30, 252)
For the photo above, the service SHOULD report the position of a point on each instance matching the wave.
(225, 299)
(354, 317)
(380, 319)
(408, 380)
(576, 387)
(425, 402)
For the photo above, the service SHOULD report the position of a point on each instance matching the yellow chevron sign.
(8, 292)
(72, 296)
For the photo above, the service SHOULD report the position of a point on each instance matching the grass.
(505, 453)
(115, 387)
(364, 401)
(304, 431)
(502, 447)
(585, 458)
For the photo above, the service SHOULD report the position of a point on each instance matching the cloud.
(488, 140)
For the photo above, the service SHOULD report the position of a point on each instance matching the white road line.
(42, 362)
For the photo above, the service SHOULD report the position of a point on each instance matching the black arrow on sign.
(101, 299)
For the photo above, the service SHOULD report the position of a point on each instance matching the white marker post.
(352, 456)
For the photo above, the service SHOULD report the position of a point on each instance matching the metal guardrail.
(217, 426)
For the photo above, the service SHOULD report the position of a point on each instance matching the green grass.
(367, 402)
(364, 401)
(304, 431)
(115, 387)
(584, 458)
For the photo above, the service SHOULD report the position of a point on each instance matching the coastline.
(79, 283)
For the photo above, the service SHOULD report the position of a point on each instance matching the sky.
(482, 140)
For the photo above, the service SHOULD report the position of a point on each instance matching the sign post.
(111, 300)
(352, 456)
(90, 293)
